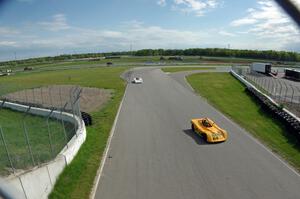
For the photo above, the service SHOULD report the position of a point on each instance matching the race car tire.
(193, 128)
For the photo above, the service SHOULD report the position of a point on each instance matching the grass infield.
(77, 179)
(12, 126)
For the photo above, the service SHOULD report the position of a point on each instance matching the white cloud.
(8, 44)
(132, 23)
(243, 21)
(133, 32)
(59, 22)
(162, 3)
(225, 33)
(6, 31)
(196, 7)
(140, 36)
(269, 23)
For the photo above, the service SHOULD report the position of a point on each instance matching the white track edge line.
(104, 157)
(277, 156)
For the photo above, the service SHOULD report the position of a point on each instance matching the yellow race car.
(209, 130)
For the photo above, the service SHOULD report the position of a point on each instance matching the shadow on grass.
(197, 138)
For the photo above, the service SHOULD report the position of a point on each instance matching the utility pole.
(131, 53)
(15, 53)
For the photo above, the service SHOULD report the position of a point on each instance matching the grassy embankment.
(229, 96)
(77, 179)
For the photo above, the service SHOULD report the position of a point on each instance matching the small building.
(162, 58)
(7, 72)
(112, 57)
(176, 58)
(28, 68)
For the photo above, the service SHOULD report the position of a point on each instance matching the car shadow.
(197, 138)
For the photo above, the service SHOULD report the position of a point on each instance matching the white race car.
(137, 80)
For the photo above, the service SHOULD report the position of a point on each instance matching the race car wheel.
(204, 137)
(193, 128)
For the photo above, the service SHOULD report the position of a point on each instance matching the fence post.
(72, 102)
(275, 89)
(299, 95)
(33, 96)
(3, 102)
(263, 83)
(28, 143)
(50, 95)
(49, 132)
(260, 82)
(286, 91)
(268, 88)
(6, 149)
(254, 79)
(76, 105)
(42, 98)
(63, 124)
(293, 92)
(279, 97)
(26, 97)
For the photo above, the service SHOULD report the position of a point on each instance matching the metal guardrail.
(282, 91)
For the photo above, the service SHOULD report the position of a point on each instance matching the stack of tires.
(290, 122)
(87, 118)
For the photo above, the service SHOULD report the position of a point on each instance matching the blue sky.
(51, 27)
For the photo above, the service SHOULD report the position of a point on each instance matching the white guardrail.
(249, 85)
(38, 182)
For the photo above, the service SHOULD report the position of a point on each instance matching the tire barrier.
(87, 118)
(290, 122)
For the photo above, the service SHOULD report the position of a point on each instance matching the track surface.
(154, 154)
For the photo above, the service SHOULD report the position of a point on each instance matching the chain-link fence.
(28, 140)
(283, 91)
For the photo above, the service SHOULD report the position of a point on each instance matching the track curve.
(154, 154)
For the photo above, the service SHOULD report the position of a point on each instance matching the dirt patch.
(58, 96)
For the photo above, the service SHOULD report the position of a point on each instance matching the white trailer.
(261, 68)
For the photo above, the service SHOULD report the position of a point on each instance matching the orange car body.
(209, 130)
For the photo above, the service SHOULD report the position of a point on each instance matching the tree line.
(223, 52)
(214, 52)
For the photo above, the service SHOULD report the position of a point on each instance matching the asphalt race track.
(155, 155)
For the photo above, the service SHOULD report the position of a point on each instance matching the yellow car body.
(209, 130)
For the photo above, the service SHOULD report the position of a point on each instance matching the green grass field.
(229, 96)
(186, 68)
(77, 179)
(11, 123)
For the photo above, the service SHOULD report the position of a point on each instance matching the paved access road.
(154, 154)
